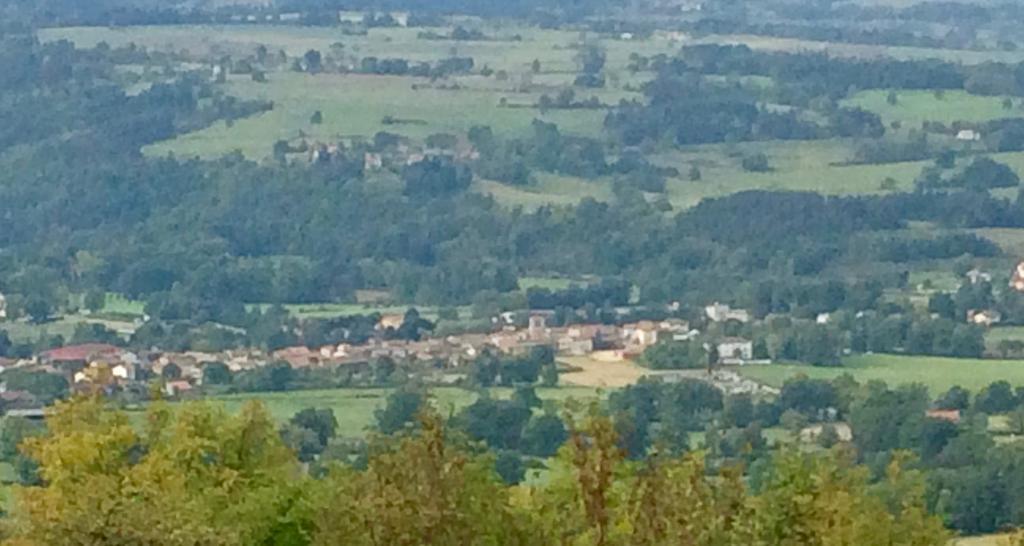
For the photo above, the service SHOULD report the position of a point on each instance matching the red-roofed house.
(81, 353)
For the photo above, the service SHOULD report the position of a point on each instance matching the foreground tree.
(195, 476)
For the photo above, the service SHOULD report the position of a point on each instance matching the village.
(99, 367)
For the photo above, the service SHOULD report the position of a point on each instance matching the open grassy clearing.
(598, 373)
(550, 283)
(556, 49)
(354, 407)
(796, 165)
(912, 108)
(838, 49)
(938, 374)
(25, 332)
(1011, 240)
(356, 106)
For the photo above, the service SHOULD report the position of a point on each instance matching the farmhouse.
(80, 354)
(640, 335)
(734, 350)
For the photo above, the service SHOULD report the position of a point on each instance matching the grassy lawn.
(796, 166)
(601, 373)
(550, 283)
(915, 107)
(120, 305)
(938, 374)
(25, 332)
(354, 407)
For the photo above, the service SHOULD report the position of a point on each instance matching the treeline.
(691, 109)
(236, 483)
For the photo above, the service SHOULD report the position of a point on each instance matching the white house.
(734, 350)
(968, 135)
(719, 312)
(3, 307)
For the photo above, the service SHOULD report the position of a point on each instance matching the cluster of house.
(93, 365)
(991, 317)
(401, 155)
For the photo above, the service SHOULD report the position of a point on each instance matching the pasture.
(938, 374)
(795, 166)
(912, 108)
(357, 106)
(354, 408)
(596, 373)
(864, 51)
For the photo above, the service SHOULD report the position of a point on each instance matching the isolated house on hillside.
(968, 135)
(984, 318)
(734, 350)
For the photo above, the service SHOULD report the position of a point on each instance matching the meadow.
(864, 51)
(354, 408)
(912, 108)
(938, 374)
(356, 106)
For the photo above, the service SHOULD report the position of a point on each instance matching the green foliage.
(400, 410)
(996, 398)
(47, 387)
(676, 355)
(216, 373)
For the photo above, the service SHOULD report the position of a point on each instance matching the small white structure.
(976, 276)
(968, 135)
(3, 307)
(1017, 280)
(984, 318)
(719, 312)
(124, 371)
(734, 350)
(823, 318)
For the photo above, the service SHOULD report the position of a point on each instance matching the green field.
(796, 165)
(356, 106)
(863, 51)
(938, 374)
(354, 407)
(912, 108)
